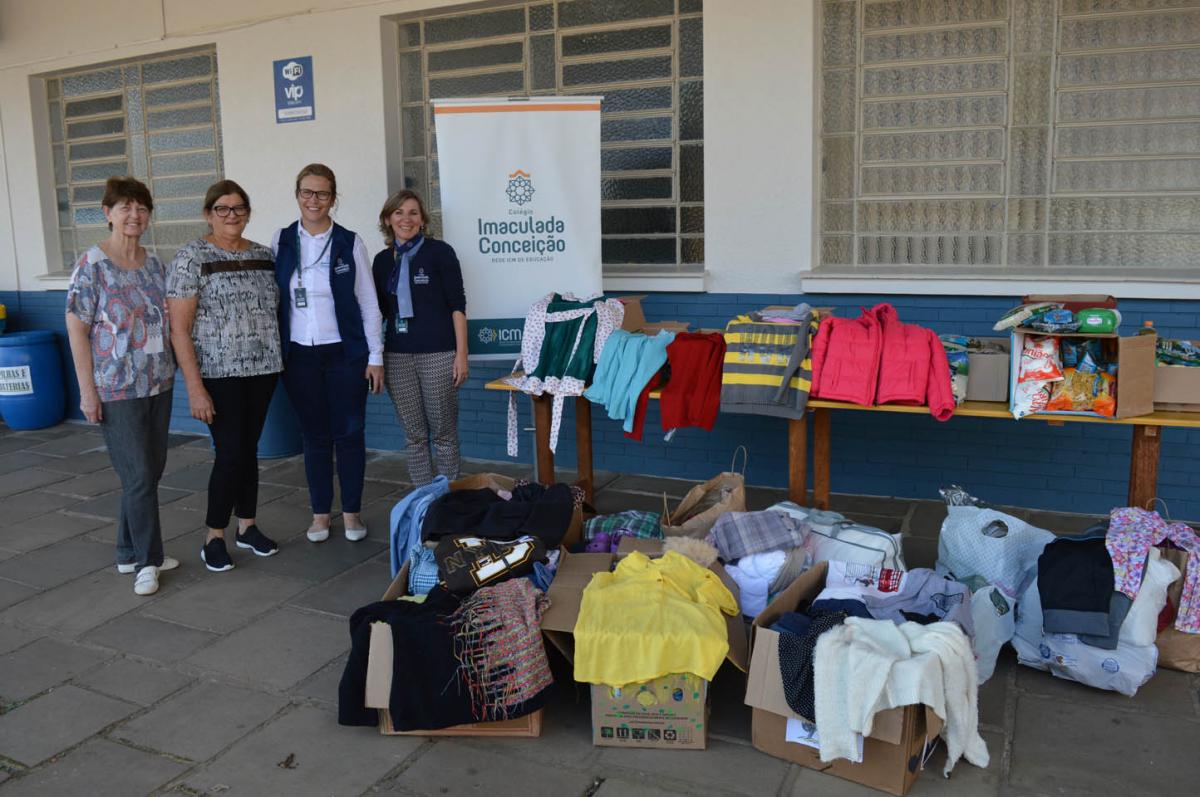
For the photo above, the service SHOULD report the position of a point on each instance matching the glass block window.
(644, 56)
(156, 119)
(1017, 137)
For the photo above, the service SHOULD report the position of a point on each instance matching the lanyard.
(300, 255)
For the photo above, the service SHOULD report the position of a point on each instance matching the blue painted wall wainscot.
(1075, 467)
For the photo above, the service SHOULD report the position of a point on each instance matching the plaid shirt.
(631, 523)
(738, 534)
(422, 570)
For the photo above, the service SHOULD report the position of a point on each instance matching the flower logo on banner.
(487, 335)
(520, 189)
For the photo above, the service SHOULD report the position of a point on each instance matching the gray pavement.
(226, 683)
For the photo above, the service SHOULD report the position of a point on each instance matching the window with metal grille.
(156, 119)
(1010, 138)
(644, 56)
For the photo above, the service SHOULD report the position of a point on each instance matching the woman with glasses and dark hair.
(120, 341)
(223, 301)
(331, 332)
(420, 288)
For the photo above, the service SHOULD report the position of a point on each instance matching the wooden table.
(1143, 458)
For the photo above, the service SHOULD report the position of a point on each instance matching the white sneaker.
(146, 582)
(354, 535)
(317, 535)
(169, 563)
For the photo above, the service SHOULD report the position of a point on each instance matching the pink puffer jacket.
(877, 359)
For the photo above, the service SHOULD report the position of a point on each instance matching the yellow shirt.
(649, 618)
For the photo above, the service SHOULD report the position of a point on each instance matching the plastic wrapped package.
(1080, 391)
(1019, 315)
(1040, 360)
(999, 548)
(995, 621)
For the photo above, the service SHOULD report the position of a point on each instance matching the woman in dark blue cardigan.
(420, 289)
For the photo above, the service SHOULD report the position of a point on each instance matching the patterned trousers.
(422, 388)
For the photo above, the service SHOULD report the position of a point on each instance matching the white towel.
(867, 666)
(754, 575)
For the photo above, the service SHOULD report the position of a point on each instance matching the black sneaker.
(214, 555)
(258, 542)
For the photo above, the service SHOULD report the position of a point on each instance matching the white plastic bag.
(995, 619)
(998, 548)
(1064, 656)
(1141, 624)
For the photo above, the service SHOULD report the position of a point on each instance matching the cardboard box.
(666, 713)
(635, 318)
(1135, 370)
(1074, 301)
(900, 740)
(1177, 387)
(379, 657)
(652, 548)
(575, 572)
(987, 374)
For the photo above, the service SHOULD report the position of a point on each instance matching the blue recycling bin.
(32, 395)
(281, 433)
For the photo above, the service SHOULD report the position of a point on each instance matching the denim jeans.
(330, 396)
(135, 431)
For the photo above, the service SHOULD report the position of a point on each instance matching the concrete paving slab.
(57, 564)
(98, 768)
(109, 504)
(222, 602)
(184, 456)
(451, 767)
(1063, 523)
(919, 551)
(323, 685)
(25, 506)
(376, 516)
(317, 562)
(287, 517)
(56, 721)
(515, 470)
(290, 472)
(566, 738)
(12, 593)
(1167, 692)
(29, 479)
(612, 787)
(853, 505)
(17, 461)
(176, 521)
(149, 638)
(133, 681)
(966, 780)
(993, 694)
(75, 442)
(6, 553)
(79, 606)
(43, 664)
(345, 593)
(89, 485)
(202, 721)
(279, 650)
(610, 501)
(12, 638)
(759, 498)
(321, 758)
(730, 716)
(723, 767)
(80, 463)
(48, 529)
(926, 520)
(191, 477)
(651, 485)
(1074, 749)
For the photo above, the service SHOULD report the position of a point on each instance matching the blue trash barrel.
(31, 380)
(281, 433)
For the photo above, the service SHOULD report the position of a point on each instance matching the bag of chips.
(1083, 391)
(1040, 360)
(1030, 397)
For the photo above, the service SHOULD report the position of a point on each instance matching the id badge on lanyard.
(301, 296)
(300, 293)
(401, 325)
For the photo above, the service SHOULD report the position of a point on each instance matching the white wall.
(758, 119)
(758, 144)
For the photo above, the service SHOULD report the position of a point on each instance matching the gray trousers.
(422, 388)
(135, 431)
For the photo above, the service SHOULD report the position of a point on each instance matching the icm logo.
(520, 189)
(292, 70)
(487, 335)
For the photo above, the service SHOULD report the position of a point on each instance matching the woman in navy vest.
(420, 288)
(329, 329)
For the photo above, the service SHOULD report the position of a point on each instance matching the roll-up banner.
(520, 187)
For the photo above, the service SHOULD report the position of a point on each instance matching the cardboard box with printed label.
(1135, 369)
(379, 659)
(900, 740)
(667, 713)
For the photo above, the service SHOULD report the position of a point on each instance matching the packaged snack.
(1040, 360)
(1178, 352)
(1099, 320)
(1081, 391)
(956, 354)
(1018, 315)
(1054, 320)
(1030, 397)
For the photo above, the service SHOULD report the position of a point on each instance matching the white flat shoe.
(354, 535)
(317, 535)
(169, 563)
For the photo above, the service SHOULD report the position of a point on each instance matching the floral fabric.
(1131, 533)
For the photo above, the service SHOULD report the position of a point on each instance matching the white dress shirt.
(316, 324)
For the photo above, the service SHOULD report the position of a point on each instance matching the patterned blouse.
(130, 333)
(236, 331)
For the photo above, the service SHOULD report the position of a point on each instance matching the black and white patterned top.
(236, 332)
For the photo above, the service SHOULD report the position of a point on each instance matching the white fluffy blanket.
(867, 666)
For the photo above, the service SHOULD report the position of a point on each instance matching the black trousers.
(240, 404)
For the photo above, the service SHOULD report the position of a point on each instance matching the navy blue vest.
(345, 303)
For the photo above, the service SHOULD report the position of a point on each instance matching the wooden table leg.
(798, 460)
(1143, 466)
(583, 447)
(822, 420)
(541, 424)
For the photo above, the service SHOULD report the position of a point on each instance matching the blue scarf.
(399, 283)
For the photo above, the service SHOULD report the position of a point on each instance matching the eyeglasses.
(237, 210)
(324, 196)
